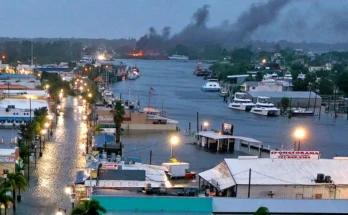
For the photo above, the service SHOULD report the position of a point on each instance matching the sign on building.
(295, 154)
(109, 166)
(7, 159)
(227, 129)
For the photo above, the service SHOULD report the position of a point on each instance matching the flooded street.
(179, 92)
(62, 157)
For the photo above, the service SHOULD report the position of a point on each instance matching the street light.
(60, 211)
(89, 95)
(47, 86)
(205, 125)
(299, 134)
(68, 190)
(174, 140)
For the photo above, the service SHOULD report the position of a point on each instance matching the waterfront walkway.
(57, 168)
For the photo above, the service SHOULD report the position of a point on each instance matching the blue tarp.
(101, 139)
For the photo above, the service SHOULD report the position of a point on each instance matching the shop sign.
(109, 166)
(295, 155)
(7, 159)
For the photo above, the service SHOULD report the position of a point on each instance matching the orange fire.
(137, 54)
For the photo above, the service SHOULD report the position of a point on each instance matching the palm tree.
(118, 113)
(262, 211)
(17, 181)
(90, 207)
(4, 198)
(98, 129)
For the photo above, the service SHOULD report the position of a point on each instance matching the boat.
(132, 76)
(200, 70)
(241, 102)
(288, 76)
(179, 57)
(301, 112)
(223, 92)
(212, 85)
(264, 107)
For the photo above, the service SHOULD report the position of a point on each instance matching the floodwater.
(179, 92)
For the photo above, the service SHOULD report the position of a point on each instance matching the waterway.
(180, 93)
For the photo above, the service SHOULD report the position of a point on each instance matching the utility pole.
(249, 183)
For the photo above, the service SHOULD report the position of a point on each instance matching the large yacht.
(264, 107)
(179, 57)
(241, 102)
(212, 85)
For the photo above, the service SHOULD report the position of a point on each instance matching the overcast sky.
(299, 20)
(106, 18)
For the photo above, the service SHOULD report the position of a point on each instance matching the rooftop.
(217, 136)
(125, 175)
(23, 103)
(267, 171)
(289, 94)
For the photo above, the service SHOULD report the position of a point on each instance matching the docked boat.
(301, 112)
(223, 92)
(241, 102)
(288, 76)
(212, 85)
(264, 107)
(200, 70)
(179, 57)
(132, 76)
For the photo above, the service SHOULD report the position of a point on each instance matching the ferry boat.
(241, 102)
(179, 57)
(212, 85)
(264, 107)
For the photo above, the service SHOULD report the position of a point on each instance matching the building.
(135, 120)
(285, 175)
(238, 79)
(298, 98)
(8, 159)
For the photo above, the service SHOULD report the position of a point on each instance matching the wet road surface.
(62, 157)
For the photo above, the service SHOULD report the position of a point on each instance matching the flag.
(152, 90)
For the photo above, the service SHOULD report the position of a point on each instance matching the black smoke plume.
(197, 33)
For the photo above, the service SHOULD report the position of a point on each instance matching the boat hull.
(265, 112)
(204, 89)
(243, 107)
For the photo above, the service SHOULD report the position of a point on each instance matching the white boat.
(132, 76)
(288, 76)
(241, 102)
(179, 57)
(264, 107)
(212, 85)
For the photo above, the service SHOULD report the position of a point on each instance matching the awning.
(79, 177)
(219, 176)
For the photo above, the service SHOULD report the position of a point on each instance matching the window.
(318, 196)
(253, 88)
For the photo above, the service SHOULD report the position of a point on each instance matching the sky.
(298, 20)
(107, 18)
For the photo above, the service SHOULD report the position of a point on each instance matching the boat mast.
(148, 106)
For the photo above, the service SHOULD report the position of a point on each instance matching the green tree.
(241, 55)
(299, 85)
(259, 76)
(17, 181)
(4, 198)
(262, 211)
(325, 86)
(91, 207)
(342, 82)
(118, 113)
(285, 102)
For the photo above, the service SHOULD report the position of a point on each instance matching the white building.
(264, 86)
(285, 176)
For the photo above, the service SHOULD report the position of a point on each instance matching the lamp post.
(60, 211)
(70, 190)
(47, 126)
(299, 134)
(173, 141)
(205, 125)
(50, 117)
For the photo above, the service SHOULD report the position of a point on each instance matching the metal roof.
(280, 206)
(101, 139)
(251, 83)
(267, 171)
(289, 94)
(124, 175)
(217, 136)
(238, 76)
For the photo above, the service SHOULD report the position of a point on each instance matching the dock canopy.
(218, 136)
